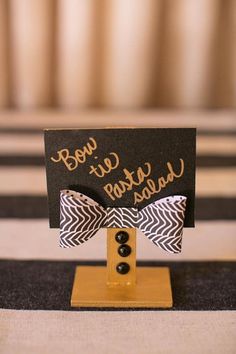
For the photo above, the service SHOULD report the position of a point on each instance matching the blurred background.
(118, 54)
(96, 63)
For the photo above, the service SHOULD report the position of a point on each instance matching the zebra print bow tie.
(162, 221)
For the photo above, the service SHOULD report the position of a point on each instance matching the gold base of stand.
(153, 289)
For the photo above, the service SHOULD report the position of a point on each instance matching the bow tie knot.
(162, 221)
(121, 217)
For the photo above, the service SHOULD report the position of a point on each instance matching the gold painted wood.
(152, 290)
(113, 258)
(145, 287)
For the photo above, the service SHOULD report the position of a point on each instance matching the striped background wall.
(23, 201)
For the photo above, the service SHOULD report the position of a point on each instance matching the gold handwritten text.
(118, 189)
(100, 171)
(80, 155)
(154, 188)
(133, 179)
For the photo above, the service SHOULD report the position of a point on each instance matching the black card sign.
(121, 167)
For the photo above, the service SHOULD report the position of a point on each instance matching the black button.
(122, 236)
(123, 268)
(124, 250)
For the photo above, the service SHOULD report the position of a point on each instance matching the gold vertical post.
(121, 256)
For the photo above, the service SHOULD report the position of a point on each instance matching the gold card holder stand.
(121, 284)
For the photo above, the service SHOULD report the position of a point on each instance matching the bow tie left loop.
(81, 217)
